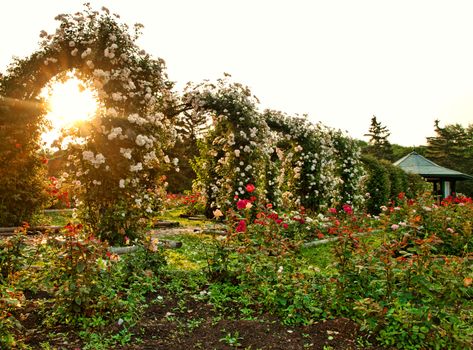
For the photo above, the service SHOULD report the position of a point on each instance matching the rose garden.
(296, 239)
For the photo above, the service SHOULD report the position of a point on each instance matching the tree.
(449, 147)
(191, 125)
(452, 147)
(401, 151)
(378, 144)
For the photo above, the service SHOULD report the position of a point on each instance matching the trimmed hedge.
(377, 184)
(386, 181)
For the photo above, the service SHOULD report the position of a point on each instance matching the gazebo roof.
(417, 164)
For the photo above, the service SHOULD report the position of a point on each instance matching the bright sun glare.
(69, 104)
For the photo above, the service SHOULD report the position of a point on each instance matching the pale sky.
(407, 62)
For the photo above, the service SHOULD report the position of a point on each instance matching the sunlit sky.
(341, 62)
(70, 103)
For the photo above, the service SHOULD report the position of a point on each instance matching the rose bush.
(233, 152)
(291, 161)
(117, 158)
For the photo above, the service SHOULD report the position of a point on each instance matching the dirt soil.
(198, 326)
(170, 324)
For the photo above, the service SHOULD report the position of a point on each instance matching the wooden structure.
(443, 179)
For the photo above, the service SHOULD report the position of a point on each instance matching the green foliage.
(22, 176)
(416, 186)
(231, 339)
(258, 267)
(378, 144)
(89, 287)
(12, 255)
(401, 282)
(73, 277)
(190, 127)
(12, 259)
(291, 161)
(400, 288)
(385, 182)
(398, 179)
(10, 300)
(452, 147)
(421, 218)
(205, 168)
(378, 184)
(401, 151)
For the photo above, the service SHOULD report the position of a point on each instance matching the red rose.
(242, 203)
(347, 209)
(241, 226)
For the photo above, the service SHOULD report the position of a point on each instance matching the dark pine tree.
(452, 147)
(378, 144)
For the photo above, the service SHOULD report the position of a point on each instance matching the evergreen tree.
(378, 144)
(449, 147)
(452, 147)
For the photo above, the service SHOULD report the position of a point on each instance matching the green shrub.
(385, 182)
(400, 288)
(22, 174)
(86, 280)
(13, 258)
(422, 218)
(377, 184)
(397, 178)
(416, 186)
(258, 267)
(10, 299)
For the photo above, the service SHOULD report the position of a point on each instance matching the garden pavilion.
(443, 179)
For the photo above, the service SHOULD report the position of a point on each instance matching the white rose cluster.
(126, 152)
(95, 160)
(116, 132)
(136, 167)
(86, 53)
(143, 140)
(136, 119)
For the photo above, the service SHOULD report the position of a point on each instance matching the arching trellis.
(116, 170)
(322, 163)
(233, 152)
(291, 161)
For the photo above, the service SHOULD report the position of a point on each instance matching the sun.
(69, 103)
